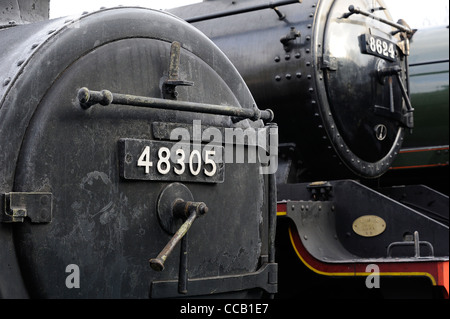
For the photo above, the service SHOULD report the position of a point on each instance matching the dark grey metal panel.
(103, 223)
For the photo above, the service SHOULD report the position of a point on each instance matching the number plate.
(379, 47)
(170, 161)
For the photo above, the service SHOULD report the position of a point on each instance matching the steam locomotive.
(96, 192)
(116, 174)
(424, 154)
(337, 75)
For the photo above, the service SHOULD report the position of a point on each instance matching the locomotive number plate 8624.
(170, 161)
(379, 47)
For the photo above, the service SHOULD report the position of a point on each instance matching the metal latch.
(329, 62)
(288, 38)
(36, 206)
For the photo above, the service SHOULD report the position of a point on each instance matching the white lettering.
(73, 280)
(373, 280)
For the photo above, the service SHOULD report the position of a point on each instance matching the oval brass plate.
(369, 225)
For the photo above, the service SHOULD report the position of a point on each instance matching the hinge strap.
(18, 205)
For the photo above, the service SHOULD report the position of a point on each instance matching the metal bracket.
(329, 62)
(289, 38)
(168, 87)
(36, 206)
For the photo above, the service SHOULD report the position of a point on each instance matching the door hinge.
(18, 205)
(329, 62)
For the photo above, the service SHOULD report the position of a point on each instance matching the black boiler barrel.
(332, 78)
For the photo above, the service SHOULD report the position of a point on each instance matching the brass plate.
(369, 226)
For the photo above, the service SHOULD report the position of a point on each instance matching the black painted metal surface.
(103, 224)
(327, 224)
(335, 93)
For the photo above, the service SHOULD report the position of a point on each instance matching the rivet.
(6, 81)
(288, 76)
(19, 63)
(277, 78)
(277, 59)
(34, 45)
(298, 75)
(297, 55)
(43, 213)
(287, 57)
(128, 158)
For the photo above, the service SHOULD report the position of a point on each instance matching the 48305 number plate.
(379, 47)
(170, 161)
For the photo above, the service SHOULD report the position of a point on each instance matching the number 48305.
(185, 161)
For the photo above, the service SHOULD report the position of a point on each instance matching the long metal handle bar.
(87, 98)
(270, 5)
(191, 210)
(416, 243)
(354, 10)
(158, 262)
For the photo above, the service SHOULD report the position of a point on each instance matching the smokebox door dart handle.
(88, 98)
(183, 209)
